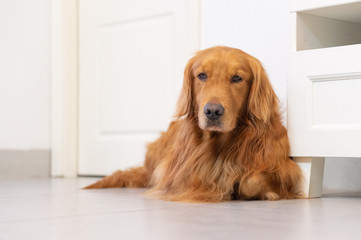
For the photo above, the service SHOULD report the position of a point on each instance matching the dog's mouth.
(214, 126)
(219, 125)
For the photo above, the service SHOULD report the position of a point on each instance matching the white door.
(131, 59)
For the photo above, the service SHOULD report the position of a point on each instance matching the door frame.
(64, 80)
(64, 87)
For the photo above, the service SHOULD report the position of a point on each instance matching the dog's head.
(221, 86)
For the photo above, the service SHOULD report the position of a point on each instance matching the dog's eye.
(202, 76)
(236, 79)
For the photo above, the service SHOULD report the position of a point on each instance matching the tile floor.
(59, 209)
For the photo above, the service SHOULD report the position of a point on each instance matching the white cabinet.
(324, 86)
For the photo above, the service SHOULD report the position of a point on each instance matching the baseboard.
(24, 164)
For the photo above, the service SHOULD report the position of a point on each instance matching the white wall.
(24, 74)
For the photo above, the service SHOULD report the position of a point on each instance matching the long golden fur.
(243, 154)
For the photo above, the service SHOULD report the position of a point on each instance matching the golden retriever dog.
(227, 141)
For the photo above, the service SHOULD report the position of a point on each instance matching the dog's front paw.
(271, 196)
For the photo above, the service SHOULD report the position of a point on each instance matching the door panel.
(131, 59)
(144, 74)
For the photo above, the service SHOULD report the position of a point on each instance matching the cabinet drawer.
(324, 102)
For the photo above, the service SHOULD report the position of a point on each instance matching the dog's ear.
(262, 100)
(185, 101)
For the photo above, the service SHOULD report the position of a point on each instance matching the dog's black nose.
(213, 111)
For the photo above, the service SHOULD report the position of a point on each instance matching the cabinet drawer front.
(324, 102)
